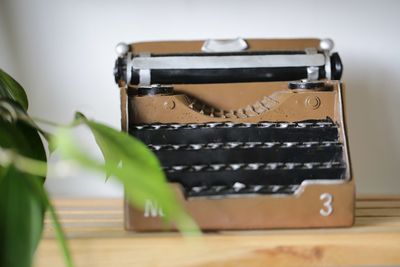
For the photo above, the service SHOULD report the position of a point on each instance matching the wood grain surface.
(97, 238)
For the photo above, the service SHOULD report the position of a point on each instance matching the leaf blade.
(22, 213)
(133, 164)
(13, 111)
(10, 88)
(21, 206)
(60, 235)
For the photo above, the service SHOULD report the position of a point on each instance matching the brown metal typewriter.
(250, 133)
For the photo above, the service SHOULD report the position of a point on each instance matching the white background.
(63, 54)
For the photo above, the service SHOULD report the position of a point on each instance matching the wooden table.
(97, 238)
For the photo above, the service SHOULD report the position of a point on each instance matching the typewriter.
(250, 132)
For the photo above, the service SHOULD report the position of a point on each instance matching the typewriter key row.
(281, 175)
(242, 145)
(328, 123)
(238, 188)
(250, 155)
(308, 131)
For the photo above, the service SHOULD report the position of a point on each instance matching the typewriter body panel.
(242, 150)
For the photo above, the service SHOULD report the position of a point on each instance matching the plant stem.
(75, 122)
(22, 163)
(50, 123)
(60, 235)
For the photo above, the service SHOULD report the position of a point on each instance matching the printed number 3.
(328, 208)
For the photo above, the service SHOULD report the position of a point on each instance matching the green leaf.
(21, 138)
(110, 160)
(12, 111)
(21, 196)
(22, 213)
(140, 170)
(23, 199)
(133, 164)
(25, 225)
(10, 88)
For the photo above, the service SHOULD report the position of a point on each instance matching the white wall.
(64, 53)
(6, 56)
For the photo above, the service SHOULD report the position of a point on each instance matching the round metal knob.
(326, 44)
(122, 49)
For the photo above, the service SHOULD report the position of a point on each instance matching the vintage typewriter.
(250, 133)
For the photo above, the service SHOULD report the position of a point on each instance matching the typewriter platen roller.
(250, 133)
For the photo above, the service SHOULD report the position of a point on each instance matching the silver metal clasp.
(312, 71)
(326, 45)
(231, 45)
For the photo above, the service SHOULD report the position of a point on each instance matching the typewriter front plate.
(250, 133)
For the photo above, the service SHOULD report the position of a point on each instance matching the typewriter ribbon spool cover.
(250, 133)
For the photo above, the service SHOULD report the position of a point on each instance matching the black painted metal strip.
(215, 135)
(289, 154)
(200, 76)
(255, 177)
(217, 54)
